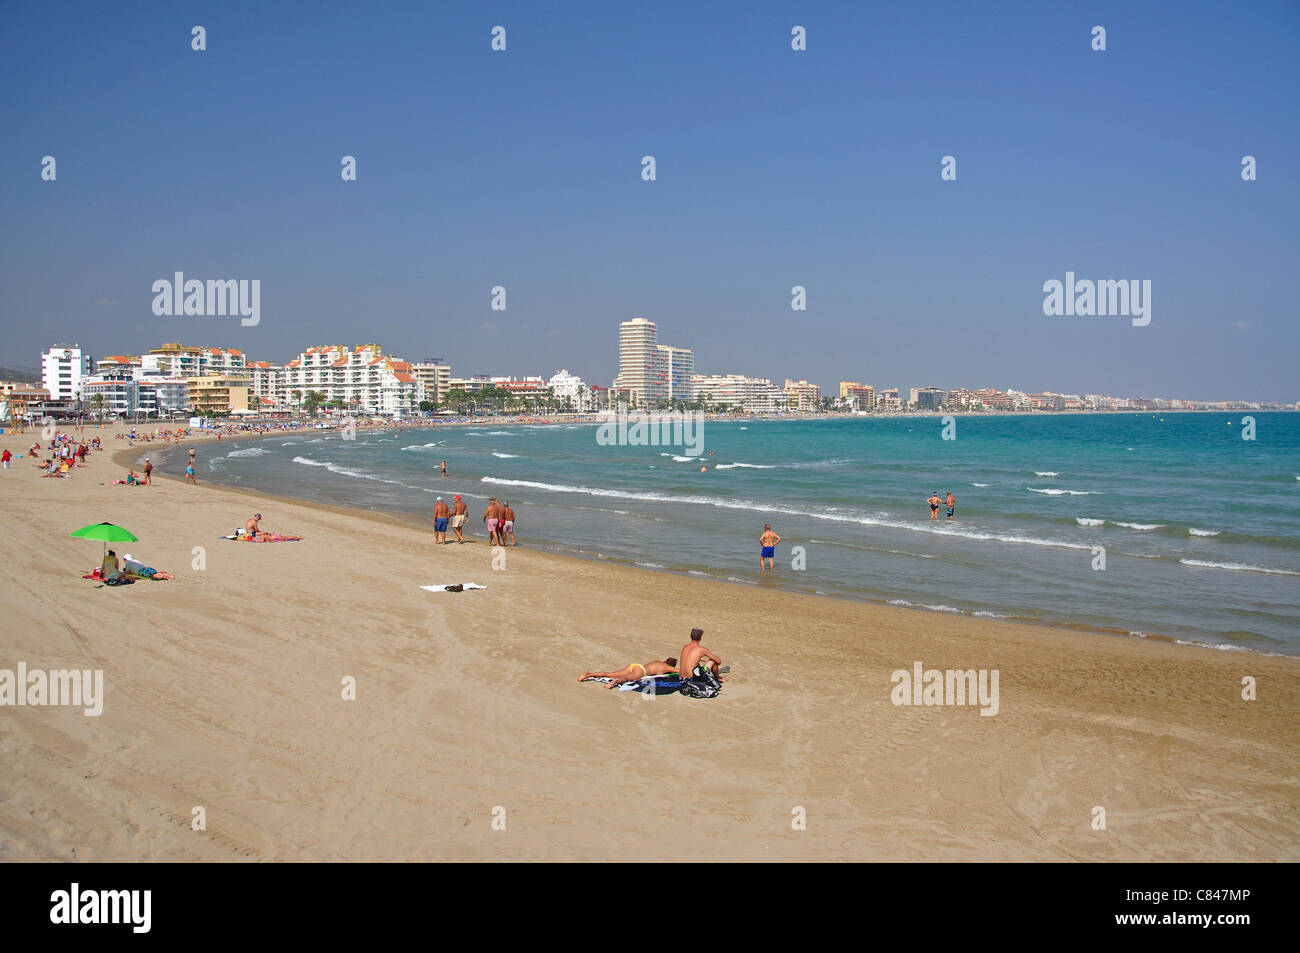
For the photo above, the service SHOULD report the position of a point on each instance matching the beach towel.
(452, 587)
(650, 684)
(654, 684)
(277, 538)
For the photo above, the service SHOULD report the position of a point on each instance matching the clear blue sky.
(775, 168)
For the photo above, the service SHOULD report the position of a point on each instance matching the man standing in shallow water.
(768, 541)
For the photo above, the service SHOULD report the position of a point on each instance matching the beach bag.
(701, 684)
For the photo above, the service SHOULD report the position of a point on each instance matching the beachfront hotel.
(435, 374)
(752, 395)
(802, 396)
(181, 360)
(649, 372)
(362, 376)
(679, 364)
(859, 396)
(215, 394)
(63, 369)
(571, 389)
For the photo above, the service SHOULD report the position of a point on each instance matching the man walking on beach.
(492, 516)
(440, 516)
(768, 541)
(459, 513)
(148, 472)
(934, 502)
(191, 456)
(507, 523)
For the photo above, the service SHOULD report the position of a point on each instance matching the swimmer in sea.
(934, 502)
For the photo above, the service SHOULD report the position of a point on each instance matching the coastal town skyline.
(68, 373)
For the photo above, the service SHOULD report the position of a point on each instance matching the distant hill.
(22, 377)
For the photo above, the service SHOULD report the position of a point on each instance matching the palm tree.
(312, 401)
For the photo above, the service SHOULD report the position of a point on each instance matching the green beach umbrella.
(108, 532)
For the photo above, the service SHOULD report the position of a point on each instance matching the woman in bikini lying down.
(633, 672)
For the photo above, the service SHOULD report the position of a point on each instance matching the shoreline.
(222, 689)
(408, 520)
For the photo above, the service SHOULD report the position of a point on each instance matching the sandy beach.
(223, 690)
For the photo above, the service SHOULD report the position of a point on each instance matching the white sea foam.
(355, 473)
(1055, 492)
(979, 484)
(1239, 567)
(1046, 473)
(1140, 526)
(249, 452)
(819, 464)
(681, 459)
(922, 605)
(747, 466)
(1084, 521)
(505, 456)
(1193, 531)
(735, 504)
(423, 446)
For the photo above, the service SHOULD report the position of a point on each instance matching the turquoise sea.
(1200, 528)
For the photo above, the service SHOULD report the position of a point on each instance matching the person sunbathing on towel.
(133, 568)
(633, 672)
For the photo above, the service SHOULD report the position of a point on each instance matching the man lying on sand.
(634, 671)
(133, 568)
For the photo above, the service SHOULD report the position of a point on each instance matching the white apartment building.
(641, 370)
(266, 383)
(64, 368)
(679, 365)
(110, 396)
(753, 395)
(180, 360)
(163, 396)
(570, 388)
(363, 377)
(650, 372)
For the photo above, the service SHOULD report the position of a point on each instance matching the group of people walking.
(499, 518)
